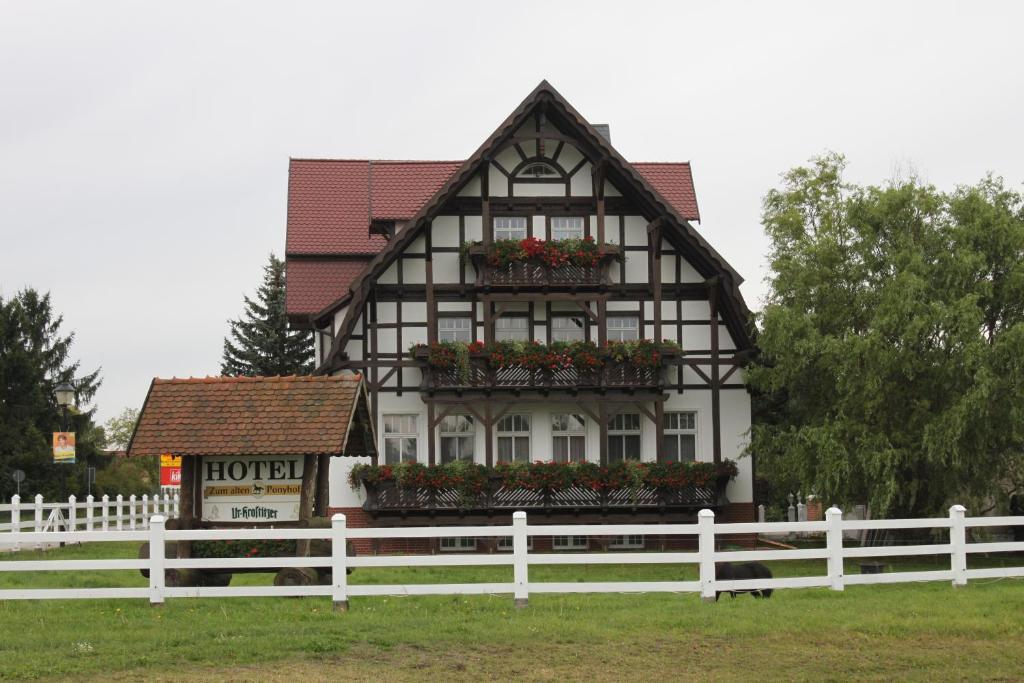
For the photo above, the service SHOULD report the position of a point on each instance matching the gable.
(554, 119)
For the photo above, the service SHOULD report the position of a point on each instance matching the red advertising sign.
(170, 470)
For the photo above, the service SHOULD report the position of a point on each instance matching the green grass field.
(904, 631)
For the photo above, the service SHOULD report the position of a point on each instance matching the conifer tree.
(34, 358)
(260, 343)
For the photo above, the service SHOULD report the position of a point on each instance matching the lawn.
(908, 631)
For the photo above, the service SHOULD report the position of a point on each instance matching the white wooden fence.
(707, 531)
(89, 515)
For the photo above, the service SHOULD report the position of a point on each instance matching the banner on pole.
(64, 447)
(170, 470)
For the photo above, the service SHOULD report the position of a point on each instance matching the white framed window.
(512, 328)
(623, 328)
(458, 433)
(569, 438)
(454, 544)
(569, 542)
(627, 542)
(680, 444)
(455, 329)
(505, 543)
(568, 328)
(510, 227)
(567, 227)
(399, 438)
(624, 437)
(514, 438)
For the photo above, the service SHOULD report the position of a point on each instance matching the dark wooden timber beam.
(485, 202)
(431, 442)
(431, 297)
(716, 384)
(598, 174)
(654, 232)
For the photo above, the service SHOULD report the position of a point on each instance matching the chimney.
(605, 130)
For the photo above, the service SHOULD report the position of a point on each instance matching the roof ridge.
(380, 161)
(660, 163)
(222, 379)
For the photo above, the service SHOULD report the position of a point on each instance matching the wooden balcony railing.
(535, 274)
(390, 497)
(480, 375)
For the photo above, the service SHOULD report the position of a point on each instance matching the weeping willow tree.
(892, 342)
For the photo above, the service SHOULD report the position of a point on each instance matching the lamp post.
(65, 395)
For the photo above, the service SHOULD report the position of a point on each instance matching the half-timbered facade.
(388, 258)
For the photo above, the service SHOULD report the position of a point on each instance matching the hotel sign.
(261, 489)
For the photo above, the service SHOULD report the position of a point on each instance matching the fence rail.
(707, 532)
(89, 515)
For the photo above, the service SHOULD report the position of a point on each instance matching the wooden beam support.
(598, 175)
(323, 485)
(654, 241)
(485, 202)
(489, 435)
(659, 430)
(431, 296)
(716, 384)
(186, 502)
(431, 441)
(602, 423)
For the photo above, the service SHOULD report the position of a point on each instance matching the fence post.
(131, 512)
(834, 543)
(39, 518)
(119, 509)
(339, 563)
(156, 560)
(520, 559)
(105, 520)
(706, 550)
(958, 544)
(16, 520)
(177, 503)
(88, 512)
(72, 522)
(145, 511)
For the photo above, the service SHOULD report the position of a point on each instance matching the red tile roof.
(674, 182)
(328, 214)
(313, 284)
(329, 201)
(251, 416)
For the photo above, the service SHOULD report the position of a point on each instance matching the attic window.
(385, 229)
(539, 170)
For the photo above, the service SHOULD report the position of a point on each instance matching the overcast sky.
(144, 147)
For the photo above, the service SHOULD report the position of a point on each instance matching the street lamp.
(65, 394)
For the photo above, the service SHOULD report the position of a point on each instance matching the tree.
(119, 429)
(892, 341)
(122, 475)
(260, 343)
(34, 358)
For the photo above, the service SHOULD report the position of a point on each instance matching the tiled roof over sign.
(253, 416)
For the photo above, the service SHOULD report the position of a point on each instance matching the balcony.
(534, 274)
(478, 372)
(391, 498)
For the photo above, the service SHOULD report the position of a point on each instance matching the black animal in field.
(729, 571)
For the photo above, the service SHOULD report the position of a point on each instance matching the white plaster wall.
(446, 268)
(415, 271)
(444, 231)
(538, 189)
(581, 183)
